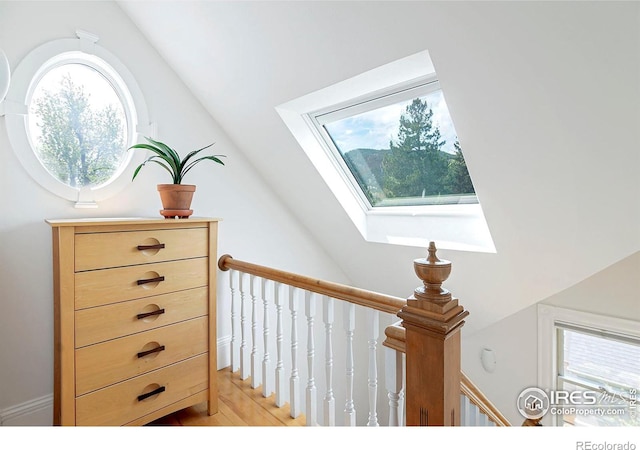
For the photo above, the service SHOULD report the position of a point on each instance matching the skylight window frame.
(406, 91)
(453, 226)
(379, 99)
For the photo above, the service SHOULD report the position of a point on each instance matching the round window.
(72, 111)
(78, 125)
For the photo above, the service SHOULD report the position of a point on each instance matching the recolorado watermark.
(590, 445)
(534, 403)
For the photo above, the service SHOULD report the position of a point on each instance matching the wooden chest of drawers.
(134, 319)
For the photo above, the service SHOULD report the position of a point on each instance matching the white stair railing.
(244, 335)
(294, 380)
(252, 358)
(249, 287)
(349, 329)
(235, 364)
(255, 362)
(311, 397)
(373, 323)
(280, 392)
(394, 383)
(266, 357)
(329, 402)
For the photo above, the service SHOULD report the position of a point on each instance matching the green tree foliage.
(458, 180)
(416, 165)
(80, 145)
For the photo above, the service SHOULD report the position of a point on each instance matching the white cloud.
(374, 129)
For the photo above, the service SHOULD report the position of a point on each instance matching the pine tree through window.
(401, 149)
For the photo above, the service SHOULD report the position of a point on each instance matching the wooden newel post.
(433, 319)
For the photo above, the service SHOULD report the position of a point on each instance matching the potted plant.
(176, 197)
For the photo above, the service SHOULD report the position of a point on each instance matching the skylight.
(385, 144)
(401, 149)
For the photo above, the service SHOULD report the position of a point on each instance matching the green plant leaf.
(161, 164)
(170, 160)
(193, 153)
(173, 156)
(214, 158)
(164, 152)
(154, 159)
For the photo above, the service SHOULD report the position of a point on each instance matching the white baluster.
(466, 414)
(475, 411)
(373, 322)
(255, 362)
(329, 400)
(280, 393)
(403, 404)
(349, 327)
(234, 329)
(394, 377)
(266, 362)
(244, 354)
(294, 381)
(471, 412)
(311, 403)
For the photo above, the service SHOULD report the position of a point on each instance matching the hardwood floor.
(238, 405)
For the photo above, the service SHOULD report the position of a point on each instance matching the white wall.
(255, 224)
(544, 96)
(514, 343)
(543, 236)
(612, 292)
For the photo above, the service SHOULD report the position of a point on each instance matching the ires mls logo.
(533, 403)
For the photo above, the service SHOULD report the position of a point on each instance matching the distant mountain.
(366, 165)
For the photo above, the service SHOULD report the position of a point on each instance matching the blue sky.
(374, 129)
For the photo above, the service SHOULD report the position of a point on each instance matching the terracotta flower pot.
(176, 200)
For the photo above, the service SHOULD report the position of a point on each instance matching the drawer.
(102, 323)
(120, 403)
(113, 361)
(103, 250)
(105, 286)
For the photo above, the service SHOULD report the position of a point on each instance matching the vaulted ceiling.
(545, 97)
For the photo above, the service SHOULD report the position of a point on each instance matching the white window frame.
(550, 319)
(457, 227)
(377, 100)
(85, 50)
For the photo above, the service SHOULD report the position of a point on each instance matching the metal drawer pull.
(150, 247)
(153, 313)
(150, 280)
(148, 352)
(152, 393)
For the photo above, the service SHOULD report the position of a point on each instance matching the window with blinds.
(605, 364)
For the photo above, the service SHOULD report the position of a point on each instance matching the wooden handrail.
(482, 402)
(396, 339)
(369, 299)
(395, 334)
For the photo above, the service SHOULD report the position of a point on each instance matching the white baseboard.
(39, 411)
(36, 412)
(224, 352)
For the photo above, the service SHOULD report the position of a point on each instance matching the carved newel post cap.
(433, 272)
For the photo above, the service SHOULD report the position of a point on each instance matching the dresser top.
(90, 222)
